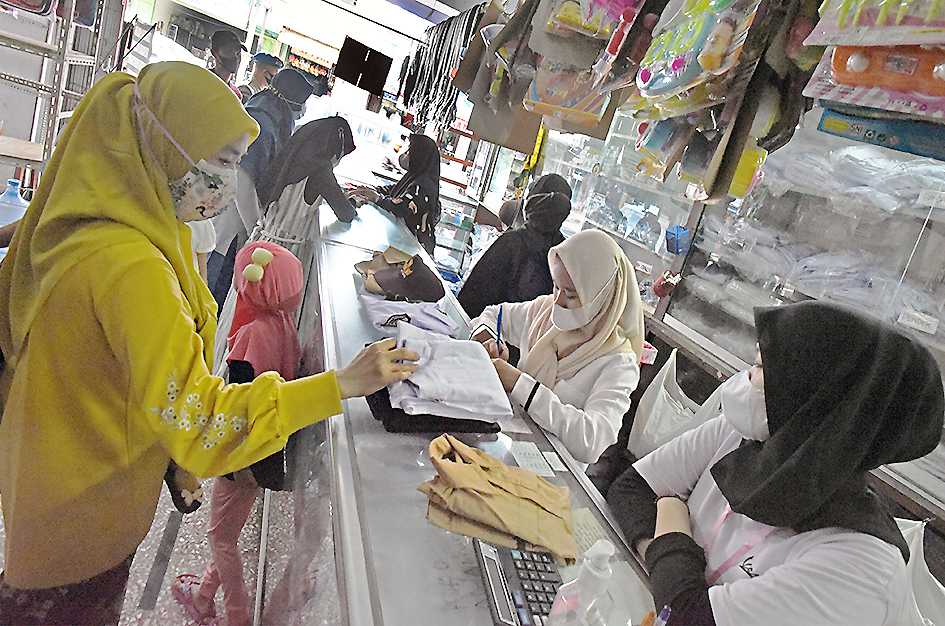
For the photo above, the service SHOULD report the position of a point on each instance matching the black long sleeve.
(270, 472)
(488, 282)
(677, 576)
(633, 504)
(676, 563)
(240, 372)
(322, 182)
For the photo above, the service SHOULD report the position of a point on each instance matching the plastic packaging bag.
(566, 92)
(928, 608)
(665, 412)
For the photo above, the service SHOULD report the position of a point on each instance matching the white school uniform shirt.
(203, 237)
(240, 220)
(585, 411)
(825, 577)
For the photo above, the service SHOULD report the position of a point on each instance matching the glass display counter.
(787, 242)
(831, 220)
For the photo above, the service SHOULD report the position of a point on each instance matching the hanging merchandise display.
(564, 63)
(691, 86)
(428, 88)
(880, 23)
(882, 80)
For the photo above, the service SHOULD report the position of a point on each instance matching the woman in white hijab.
(579, 346)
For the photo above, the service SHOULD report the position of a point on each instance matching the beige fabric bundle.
(477, 495)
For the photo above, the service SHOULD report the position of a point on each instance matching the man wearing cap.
(265, 67)
(225, 48)
(275, 109)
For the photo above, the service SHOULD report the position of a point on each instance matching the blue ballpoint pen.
(663, 618)
(498, 328)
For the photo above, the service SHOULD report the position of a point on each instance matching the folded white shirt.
(454, 379)
(385, 314)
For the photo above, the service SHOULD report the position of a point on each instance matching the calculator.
(520, 584)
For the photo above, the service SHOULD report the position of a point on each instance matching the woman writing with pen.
(579, 346)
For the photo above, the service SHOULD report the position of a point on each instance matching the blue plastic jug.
(12, 207)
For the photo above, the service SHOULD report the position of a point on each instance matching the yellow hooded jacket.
(107, 332)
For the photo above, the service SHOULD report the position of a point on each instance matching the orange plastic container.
(900, 68)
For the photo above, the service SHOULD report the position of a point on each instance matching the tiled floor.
(165, 553)
(303, 594)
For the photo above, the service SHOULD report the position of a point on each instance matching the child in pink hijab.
(263, 337)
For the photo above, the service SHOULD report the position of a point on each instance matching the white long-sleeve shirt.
(824, 577)
(238, 223)
(585, 411)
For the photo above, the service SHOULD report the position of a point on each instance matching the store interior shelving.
(69, 52)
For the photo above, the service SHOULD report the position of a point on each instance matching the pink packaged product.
(822, 86)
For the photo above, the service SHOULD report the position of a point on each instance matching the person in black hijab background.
(780, 526)
(415, 198)
(515, 267)
(275, 109)
(311, 155)
(511, 212)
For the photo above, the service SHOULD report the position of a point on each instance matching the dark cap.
(292, 86)
(264, 58)
(222, 38)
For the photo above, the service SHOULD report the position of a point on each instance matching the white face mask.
(205, 191)
(574, 319)
(743, 405)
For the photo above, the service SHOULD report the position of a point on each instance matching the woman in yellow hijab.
(107, 334)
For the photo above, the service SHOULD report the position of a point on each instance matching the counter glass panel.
(392, 565)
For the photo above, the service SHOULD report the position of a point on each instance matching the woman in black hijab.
(275, 109)
(415, 198)
(515, 267)
(511, 212)
(299, 174)
(311, 156)
(764, 514)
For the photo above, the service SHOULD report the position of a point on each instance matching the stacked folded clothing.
(386, 314)
(478, 496)
(454, 379)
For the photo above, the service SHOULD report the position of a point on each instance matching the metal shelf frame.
(58, 54)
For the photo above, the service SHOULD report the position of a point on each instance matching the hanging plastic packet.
(567, 93)
(608, 55)
(879, 23)
(570, 17)
(702, 42)
(662, 145)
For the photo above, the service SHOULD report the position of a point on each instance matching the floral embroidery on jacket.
(186, 413)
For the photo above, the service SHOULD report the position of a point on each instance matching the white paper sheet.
(554, 461)
(587, 530)
(514, 424)
(528, 456)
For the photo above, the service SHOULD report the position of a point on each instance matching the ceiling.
(423, 8)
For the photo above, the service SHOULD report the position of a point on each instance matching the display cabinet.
(610, 195)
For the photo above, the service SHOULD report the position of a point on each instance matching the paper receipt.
(528, 456)
(554, 461)
(587, 530)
